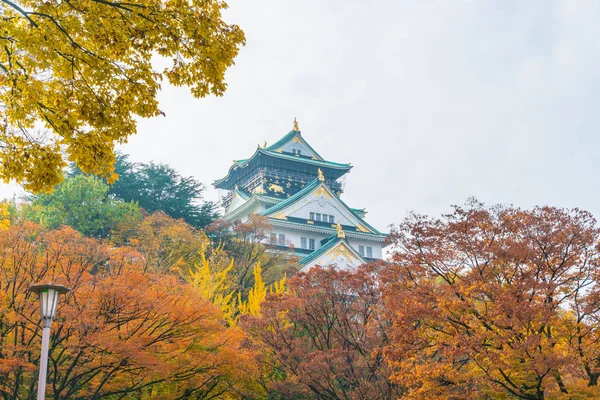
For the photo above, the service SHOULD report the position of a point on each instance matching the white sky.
(431, 101)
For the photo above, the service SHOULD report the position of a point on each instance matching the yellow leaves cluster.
(75, 75)
(215, 285)
(256, 295)
(4, 216)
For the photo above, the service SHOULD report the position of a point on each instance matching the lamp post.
(48, 296)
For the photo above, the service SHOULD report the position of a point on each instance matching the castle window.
(369, 252)
(296, 151)
(331, 221)
(273, 238)
(302, 242)
(281, 239)
(318, 217)
(361, 250)
(311, 244)
(312, 216)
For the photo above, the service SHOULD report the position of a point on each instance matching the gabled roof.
(249, 201)
(309, 188)
(361, 212)
(288, 138)
(331, 243)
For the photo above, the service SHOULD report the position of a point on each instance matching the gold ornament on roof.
(321, 177)
(296, 127)
(265, 145)
(276, 188)
(340, 231)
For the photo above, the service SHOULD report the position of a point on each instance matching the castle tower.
(300, 194)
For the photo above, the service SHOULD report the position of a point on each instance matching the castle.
(299, 192)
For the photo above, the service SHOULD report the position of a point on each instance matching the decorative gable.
(341, 255)
(294, 143)
(237, 201)
(322, 201)
(298, 147)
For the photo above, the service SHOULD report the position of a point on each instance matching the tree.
(83, 203)
(4, 215)
(120, 333)
(324, 338)
(169, 244)
(212, 278)
(158, 187)
(245, 243)
(75, 75)
(494, 303)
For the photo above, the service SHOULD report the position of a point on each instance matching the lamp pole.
(48, 296)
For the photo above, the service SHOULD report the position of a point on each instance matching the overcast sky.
(432, 102)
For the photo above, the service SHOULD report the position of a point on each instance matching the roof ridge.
(283, 139)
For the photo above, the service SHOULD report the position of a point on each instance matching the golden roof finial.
(236, 187)
(265, 145)
(321, 177)
(296, 127)
(340, 231)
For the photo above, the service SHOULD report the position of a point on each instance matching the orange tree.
(324, 338)
(167, 244)
(120, 333)
(495, 303)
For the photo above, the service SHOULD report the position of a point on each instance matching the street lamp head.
(48, 295)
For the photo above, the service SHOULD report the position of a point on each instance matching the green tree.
(75, 75)
(84, 203)
(158, 187)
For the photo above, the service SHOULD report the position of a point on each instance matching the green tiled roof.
(317, 227)
(324, 164)
(242, 194)
(286, 138)
(268, 198)
(359, 211)
(331, 242)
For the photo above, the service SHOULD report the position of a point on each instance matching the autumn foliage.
(492, 303)
(122, 332)
(483, 303)
(82, 72)
(325, 338)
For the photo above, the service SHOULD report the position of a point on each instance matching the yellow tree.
(4, 216)
(75, 74)
(256, 295)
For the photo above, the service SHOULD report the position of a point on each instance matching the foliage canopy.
(158, 187)
(83, 203)
(122, 332)
(75, 74)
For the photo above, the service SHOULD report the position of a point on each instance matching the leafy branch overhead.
(76, 73)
